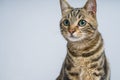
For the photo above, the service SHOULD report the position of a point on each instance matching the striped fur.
(85, 59)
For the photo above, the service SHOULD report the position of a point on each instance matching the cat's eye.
(66, 22)
(82, 23)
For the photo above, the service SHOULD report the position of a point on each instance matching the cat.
(85, 59)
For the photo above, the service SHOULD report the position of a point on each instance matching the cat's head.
(78, 23)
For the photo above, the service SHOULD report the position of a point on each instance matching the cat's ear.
(64, 6)
(91, 6)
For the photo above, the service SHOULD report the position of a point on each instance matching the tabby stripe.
(97, 74)
(91, 26)
(69, 63)
(72, 53)
(72, 12)
(68, 60)
(105, 67)
(69, 15)
(103, 78)
(66, 77)
(92, 52)
(100, 68)
(96, 59)
(79, 16)
(78, 11)
(68, 66)
(94, 65)
(92, 47)
(69, 57)
(74, 74)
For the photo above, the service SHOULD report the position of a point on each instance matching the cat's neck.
(78, 47)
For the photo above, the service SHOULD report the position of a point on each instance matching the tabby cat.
(85, 59)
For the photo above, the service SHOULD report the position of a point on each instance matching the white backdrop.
(31, 46)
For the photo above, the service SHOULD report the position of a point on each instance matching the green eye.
(66, 22)
(82, 23)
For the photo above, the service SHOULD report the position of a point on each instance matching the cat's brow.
(74, 13)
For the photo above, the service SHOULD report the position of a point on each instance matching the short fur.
(85, 59)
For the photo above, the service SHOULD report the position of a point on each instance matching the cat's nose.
(71, 31)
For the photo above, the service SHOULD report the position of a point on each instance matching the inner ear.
(64, 6)
(91, 6)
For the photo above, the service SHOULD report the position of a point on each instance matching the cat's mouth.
(73, 38)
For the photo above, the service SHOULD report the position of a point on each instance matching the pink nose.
(71, 31)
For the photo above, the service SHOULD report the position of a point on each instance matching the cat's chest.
(81, 66)
(81, 62)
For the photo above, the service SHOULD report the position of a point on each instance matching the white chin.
(74, 39)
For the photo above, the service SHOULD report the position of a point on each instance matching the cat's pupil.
(82, 23)
(66, 22)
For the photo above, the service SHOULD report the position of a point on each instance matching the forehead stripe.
(77, 12)
(74, 13)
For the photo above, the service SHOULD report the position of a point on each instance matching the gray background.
(31, 46)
